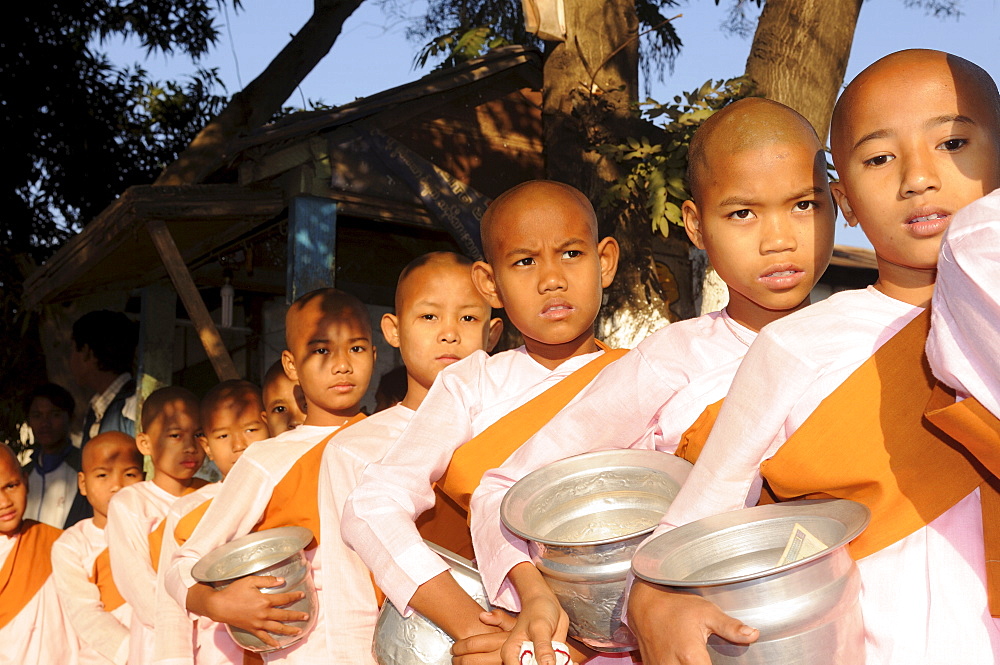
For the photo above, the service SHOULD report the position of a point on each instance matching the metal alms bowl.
(807, 611)
(277, 552)
(583, 518)
(415, 640)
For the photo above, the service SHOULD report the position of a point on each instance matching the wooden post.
(312, 245)
(195, 306)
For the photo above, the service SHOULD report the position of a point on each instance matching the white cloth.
(102, 635)
(178, 639)
(348, 598)
(40, 634)
(647, 400)
(466, 398)
(238, 508)
(923, 598)
(965, 313)
(133, 513)
(51, 496)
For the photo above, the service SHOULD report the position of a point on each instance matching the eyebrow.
(569, 242)
(808, 191)
(736, 201)
(933, 122)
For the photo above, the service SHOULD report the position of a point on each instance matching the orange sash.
(447, 523)
(868, 441)
(156, 544)
(186, 525)
(294, 501)
(694, 438)
(26, 569)
(101, 576)
(156, 535)
(969, 423)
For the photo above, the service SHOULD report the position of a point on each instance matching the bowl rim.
(667, 464)
(299, 534)
(648, 558)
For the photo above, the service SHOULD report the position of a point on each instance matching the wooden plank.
(312, 245)
(195, 306)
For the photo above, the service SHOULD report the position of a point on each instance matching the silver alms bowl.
(807, 611)
(277, 552)
(415, 640)
(583, 518)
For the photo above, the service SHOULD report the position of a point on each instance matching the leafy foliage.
(457, 46)
(655, 169)
(78, 131)
(457, 30)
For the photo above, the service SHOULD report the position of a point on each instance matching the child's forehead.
(929, 84)
(109, 454)
(437, 282)
(321, 318)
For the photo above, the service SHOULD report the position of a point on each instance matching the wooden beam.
(217, 353)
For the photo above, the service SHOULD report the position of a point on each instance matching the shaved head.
(235, 390)
(153, 406)
(9, 457)
(323, 304)
(429, 261)
(104, 445)
(534, 193)
(968, 81)
(746, 124)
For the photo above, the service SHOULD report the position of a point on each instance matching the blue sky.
(373, 54)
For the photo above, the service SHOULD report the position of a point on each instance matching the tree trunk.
(591, 83)
(800, 52)
(251, 107)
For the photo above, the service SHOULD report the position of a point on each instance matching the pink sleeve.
(379, 515)
(965, 313)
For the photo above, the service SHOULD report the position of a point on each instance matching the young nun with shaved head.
(761, 208)
(829, 402)
(273, 483)
(547, 267)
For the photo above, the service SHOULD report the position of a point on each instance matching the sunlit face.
(13, 495)
(442, 318)
(332, 360)
(48, 423)
(284, 405)
(108, 466)
(231, 426)
(171, 441)
(547, 270)
(913, 146)
(766, 220)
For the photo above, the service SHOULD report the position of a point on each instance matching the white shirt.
(133, 513)
(51, 496)
(923, 598)
(646, 399)
(348, 599)
(466, 398)
(99, 403)
(965, 313)
(40, 634)
(235, 512)
(102, 635)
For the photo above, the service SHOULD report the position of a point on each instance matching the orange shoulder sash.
(295, 501)
(496, 443)
(447, 523)
(101, 576)
(868, 441)
(156, 544)
(693, 440)
(969, 423)
(186, 525)
(26, 569)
